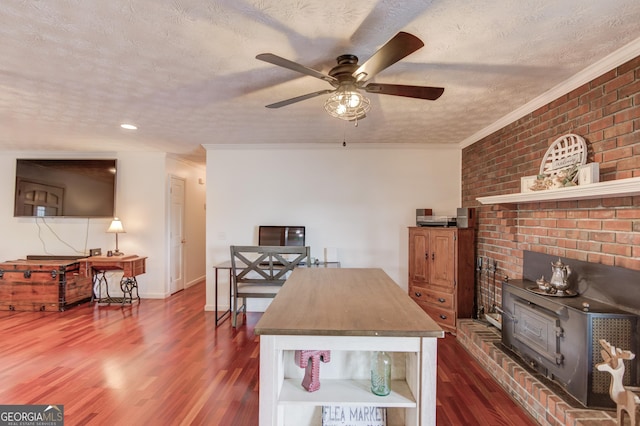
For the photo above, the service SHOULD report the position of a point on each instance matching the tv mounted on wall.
(281, 235)
(65, 188)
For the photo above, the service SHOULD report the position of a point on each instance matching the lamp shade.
(116, 226)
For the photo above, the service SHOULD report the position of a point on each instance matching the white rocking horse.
(624, 396)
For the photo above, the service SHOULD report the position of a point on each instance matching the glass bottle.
(381, 373)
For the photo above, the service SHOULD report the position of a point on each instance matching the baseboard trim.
(196, 281)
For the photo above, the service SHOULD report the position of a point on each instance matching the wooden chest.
(43, 285)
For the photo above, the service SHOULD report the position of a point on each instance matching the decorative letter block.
(310, 360)
(589, 173)
(526, 182)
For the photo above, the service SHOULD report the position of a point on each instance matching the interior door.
(176, 234)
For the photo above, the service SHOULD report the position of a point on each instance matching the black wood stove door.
(539, 331)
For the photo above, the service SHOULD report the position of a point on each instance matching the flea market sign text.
(336, 415)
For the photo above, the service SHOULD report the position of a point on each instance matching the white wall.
(359, 200)
(141, 204)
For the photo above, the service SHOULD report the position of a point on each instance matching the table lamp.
(116, 228)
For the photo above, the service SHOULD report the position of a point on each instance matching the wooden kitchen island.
(352, 313)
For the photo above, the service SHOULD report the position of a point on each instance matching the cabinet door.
(419, 256)
(442, 243)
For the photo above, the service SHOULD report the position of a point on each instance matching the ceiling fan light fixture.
(347, 103)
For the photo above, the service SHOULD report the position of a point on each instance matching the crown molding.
(336, 146)
(609, 62)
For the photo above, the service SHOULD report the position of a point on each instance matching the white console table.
(350, 312)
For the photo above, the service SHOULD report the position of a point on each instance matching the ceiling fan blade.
(294, 66)
(420, 92)
(299, 98)
(401, 45)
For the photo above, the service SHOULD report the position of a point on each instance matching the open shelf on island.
(615, 188)
(346, 392)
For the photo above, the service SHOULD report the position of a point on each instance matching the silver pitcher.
(559, 275)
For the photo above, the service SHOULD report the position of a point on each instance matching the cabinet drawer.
(444, 317)
(135, 268)
(441, 299)
(443, 287)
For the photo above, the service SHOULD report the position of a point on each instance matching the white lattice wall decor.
(560, 165)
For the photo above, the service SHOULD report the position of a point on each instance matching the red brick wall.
(606, 112)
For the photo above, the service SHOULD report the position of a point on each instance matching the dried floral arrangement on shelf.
(564, 177)
(564, 164)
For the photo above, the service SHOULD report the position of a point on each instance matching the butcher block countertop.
(345, 302)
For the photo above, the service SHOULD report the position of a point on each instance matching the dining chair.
(260, 272)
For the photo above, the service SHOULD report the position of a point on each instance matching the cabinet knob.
(444, 317)
(418, 294)
(441, 300)
(433, 256)
(426, 255)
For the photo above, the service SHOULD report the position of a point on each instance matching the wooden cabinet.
(441, 273)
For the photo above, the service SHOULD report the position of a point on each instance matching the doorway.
(176, 234)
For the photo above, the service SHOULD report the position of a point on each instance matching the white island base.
(283, 400)
(340, 319)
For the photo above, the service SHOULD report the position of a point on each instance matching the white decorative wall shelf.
(615, 188)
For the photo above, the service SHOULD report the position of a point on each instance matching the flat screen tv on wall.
(281, 235)
(83, 188)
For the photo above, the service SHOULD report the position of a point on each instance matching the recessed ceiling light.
(129, 126)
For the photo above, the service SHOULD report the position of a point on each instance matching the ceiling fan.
(348, 78)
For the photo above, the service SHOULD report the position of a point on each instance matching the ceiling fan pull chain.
(344, 134)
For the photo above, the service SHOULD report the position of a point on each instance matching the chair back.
(258, 271)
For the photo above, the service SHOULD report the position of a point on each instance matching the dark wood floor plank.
(165, 362)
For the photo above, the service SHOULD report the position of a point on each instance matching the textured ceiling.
(184, 71)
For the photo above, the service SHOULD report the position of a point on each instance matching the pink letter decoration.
(310, 360)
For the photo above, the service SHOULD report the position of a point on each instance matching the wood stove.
(559, 336)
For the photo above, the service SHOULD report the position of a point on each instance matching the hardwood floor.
(468, 395)
(164, 362)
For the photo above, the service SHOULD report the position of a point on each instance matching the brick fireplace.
(606, 112)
